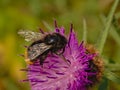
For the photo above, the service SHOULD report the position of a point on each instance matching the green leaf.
(112, 76)
(117, 15)
(104, 34)
(104, 84)
(113, 67)
(113, 32)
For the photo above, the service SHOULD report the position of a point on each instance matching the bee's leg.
(60, 53)
(67, 61)
(62, 56)
(42, 58)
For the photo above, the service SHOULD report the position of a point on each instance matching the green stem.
(48, 26)
(84, 31)
(113, 31)
(108, 23)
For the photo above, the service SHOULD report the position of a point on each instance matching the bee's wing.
(30, 35)
(36, 50)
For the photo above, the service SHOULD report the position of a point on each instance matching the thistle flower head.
(82, 69)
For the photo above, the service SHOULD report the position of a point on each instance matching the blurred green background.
(32, 14)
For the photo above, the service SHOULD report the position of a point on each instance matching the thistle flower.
(84, 69)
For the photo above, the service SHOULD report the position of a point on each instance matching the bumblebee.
(42, 44)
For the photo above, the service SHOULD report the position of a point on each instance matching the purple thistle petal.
(57, 30)
(62, 31)
(57, 75)
(72, 42)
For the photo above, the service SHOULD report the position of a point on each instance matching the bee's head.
(50, 39)
(56, 40)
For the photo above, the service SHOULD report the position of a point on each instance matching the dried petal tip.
(56, 26)
(55, 23)
(71, 27)
(84, 70)
(41, 31)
